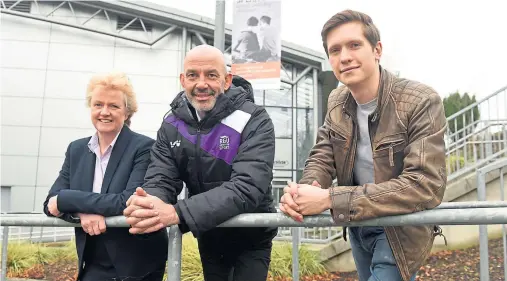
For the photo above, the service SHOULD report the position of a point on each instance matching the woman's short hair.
(115, 81)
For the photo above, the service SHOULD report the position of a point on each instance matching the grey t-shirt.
(363, 162)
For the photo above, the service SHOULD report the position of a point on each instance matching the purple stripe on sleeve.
(182, 128)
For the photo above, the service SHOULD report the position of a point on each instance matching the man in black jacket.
(222, 146)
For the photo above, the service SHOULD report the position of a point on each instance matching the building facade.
(50, 49)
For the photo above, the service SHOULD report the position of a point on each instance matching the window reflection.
(305, 138)
(282, 97)
(305, 91)
(282, 120)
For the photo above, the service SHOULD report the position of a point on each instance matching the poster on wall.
(256, 47)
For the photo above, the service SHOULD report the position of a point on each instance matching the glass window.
(282, 97)
(282, 120)
(305, 139)
(305, 91)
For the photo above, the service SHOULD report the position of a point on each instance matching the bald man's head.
(206, 52)
(204, 76)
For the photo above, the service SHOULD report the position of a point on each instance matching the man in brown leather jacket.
(383, 141)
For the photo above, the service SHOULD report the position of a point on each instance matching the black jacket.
(225, 160)
(132, 255)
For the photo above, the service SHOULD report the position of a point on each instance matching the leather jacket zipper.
(390, 149)
(391, 155)
(352, 154)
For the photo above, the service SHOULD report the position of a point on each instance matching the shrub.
(25, 255)
(450, 162)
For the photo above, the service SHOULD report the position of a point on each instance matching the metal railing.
(477, 134)
(315, 235)
(471, 213)
(482, 173)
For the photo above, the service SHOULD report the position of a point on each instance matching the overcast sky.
(446, 43)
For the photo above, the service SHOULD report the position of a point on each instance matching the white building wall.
(45, 68)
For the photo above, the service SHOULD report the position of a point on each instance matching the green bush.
(281, 261)
(450, 162)
(280, 266)
(24, 255)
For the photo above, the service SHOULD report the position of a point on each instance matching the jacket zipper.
(390, 149)
(391, 155)
(352, 155)
(198, 158)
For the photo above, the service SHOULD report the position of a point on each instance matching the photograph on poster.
(256, 32)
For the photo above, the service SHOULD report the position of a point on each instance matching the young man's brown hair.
(370, 30)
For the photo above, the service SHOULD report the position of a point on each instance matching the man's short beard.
(199, 106)
(210, 92)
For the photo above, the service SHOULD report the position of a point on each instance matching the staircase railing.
(477, 134)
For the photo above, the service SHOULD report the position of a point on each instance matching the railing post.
(489, 144)
(5, 241)
(504, 129)
(174, 254)
(483, 230)
(503, 227)
(296, 236)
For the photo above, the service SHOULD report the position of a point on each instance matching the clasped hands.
(147, 213)
(303, 199)
(91, 223)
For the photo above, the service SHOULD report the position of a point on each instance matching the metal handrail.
(491, 145)
(441, 216)
(492, 212)
(477, 103)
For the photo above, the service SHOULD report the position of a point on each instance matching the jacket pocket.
(341, 149)
(388, 158)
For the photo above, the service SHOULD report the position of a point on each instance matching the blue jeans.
(373, 255)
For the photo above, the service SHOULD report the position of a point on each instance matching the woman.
(97, 177)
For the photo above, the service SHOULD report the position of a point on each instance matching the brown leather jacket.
(407, 139)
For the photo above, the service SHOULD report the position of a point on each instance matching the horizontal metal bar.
(472, 204)
(461, 205)
(470, 216)
(32, 16)
(438, 216)
(118, 12)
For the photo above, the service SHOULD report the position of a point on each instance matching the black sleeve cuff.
(183, 226)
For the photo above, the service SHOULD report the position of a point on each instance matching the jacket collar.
(239, 92)
(350, 105)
